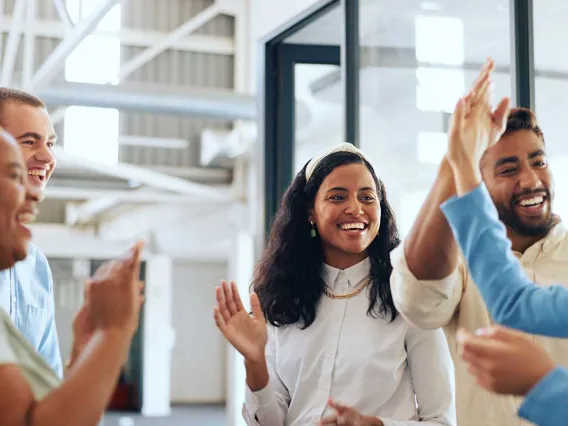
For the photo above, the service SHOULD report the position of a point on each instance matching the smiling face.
(517, 176)
(347, 214)
(33, 129)
(18, 203)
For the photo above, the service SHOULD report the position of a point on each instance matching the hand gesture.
(113, 294)
(474, 127)
(348, 416)
(503, 360)
(245, 332)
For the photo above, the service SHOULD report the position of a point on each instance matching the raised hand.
(348, 416)
(245, 332)
(113, 294)
(503, 360)
(474, 127)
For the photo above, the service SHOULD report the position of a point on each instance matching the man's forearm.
(430, 249)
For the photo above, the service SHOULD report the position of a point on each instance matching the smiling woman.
(322, 284)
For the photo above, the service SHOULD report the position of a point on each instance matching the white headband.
(342, 147)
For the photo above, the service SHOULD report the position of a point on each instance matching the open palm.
(245, 332)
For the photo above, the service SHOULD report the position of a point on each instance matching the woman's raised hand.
(247, 333)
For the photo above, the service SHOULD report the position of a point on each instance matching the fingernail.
(482, 331)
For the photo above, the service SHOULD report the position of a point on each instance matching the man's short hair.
(522, 119)
(18, 96)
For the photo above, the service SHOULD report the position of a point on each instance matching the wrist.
(466, 177)
(257, 377)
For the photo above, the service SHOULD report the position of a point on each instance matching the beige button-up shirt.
(455, 302)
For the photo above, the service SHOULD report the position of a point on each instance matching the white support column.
(29, 43)
(13, 43)
(158, 337)
(2, 22)
(63, 14)
(241, 264)
(56, 61)
(151, 52)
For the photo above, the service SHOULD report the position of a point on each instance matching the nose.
(353, 207)
(529, 180)
(44, 154)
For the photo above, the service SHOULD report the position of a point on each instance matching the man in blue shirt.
(26, 291)
(503, 361)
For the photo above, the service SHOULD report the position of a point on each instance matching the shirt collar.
(355, 274)
(554, 237)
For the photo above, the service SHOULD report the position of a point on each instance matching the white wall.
(264, 17)
(199, 353)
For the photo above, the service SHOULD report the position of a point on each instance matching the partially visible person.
(26, 290)
(503, 361)
(333, 335)
(508, 362)
(432, 293)
(31, 393)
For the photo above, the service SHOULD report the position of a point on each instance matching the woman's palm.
(245, 332)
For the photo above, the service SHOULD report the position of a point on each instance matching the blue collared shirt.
(26, 293)
(511, 297)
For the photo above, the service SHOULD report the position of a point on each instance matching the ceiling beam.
(56, 61)
(12, 45)
(200, 43)
(151, 52)
(145, 176)
(63, 14)
(216, 104)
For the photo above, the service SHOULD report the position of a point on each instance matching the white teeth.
(37, 172)
(352, 226)
(26, 217)
(531, 201)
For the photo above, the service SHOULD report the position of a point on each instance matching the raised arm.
(266, 397)
(430, 249)
(114, 298)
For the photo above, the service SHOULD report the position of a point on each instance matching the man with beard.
(26, 290)
(430, 283)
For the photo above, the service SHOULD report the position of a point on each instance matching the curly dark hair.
(288, 280)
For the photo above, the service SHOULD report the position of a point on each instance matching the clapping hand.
(504, 361)
(348, 416)
(245, 332)
(474, 127)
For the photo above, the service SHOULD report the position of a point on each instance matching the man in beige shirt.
(430, 283)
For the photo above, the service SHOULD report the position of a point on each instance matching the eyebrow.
(537, 153)
(337, 188)
(36, 136)
(515, 159)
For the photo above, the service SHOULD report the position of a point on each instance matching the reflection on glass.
(417, 59)
(319, 110)
(551, 91)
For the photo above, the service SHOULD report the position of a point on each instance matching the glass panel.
(551, 89)
(417, 58)
(319, 110)
(323, 31)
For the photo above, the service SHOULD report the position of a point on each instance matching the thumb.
(255, 306)
(501, 114)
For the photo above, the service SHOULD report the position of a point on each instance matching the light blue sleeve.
(511, 297)
(547, 403)
(49, 343)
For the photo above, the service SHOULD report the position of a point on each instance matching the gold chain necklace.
(348, 295)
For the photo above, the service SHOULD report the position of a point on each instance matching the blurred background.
(181, 121)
